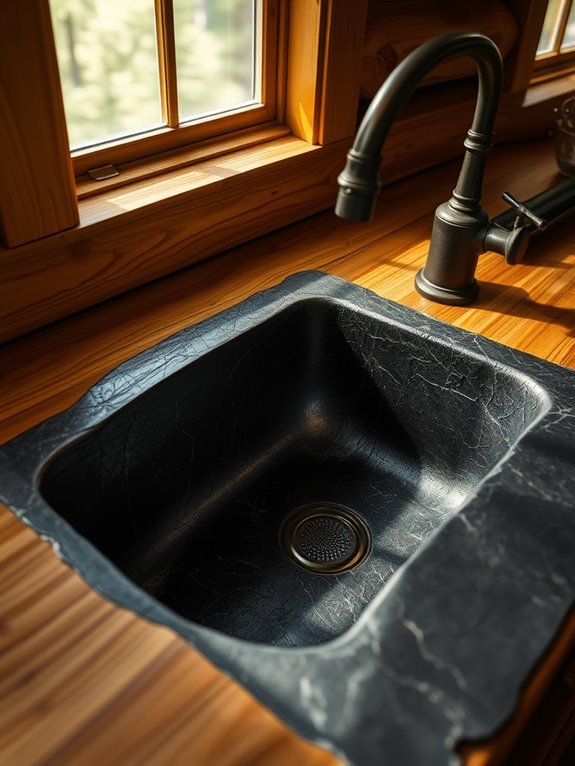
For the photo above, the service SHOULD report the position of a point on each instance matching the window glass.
(215, 54)
(569, 36)
(107, 54)
(546, 41)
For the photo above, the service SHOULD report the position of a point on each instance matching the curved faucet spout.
(359, 181)
(459, 222)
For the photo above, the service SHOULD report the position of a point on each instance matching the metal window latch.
(103, 173)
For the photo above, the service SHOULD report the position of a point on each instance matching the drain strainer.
(325, 538)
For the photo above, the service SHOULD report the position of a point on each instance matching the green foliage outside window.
(109, 66)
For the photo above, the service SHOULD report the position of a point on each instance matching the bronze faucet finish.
(461, 229)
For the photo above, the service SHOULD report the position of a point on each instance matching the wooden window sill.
(178, 159)
(147, 195)
(132, 234)
(548, 87)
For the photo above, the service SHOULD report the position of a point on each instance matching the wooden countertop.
(84, 682)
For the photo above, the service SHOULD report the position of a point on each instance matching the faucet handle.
(523, 214)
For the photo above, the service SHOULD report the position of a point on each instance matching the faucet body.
(461, 229)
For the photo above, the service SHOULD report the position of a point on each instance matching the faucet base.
(460, 297)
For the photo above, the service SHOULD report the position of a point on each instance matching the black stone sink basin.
(187, 486)
(363, 514)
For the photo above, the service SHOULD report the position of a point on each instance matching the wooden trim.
(166, 41)
(324, 65)
(164, 139)
(270, 31)
(282, 61)
(342, 70)
(553, 64)
(532, 119)
(559, 31)
(307, 27)
(175, 159)
(37, 192)
(530, 15)
(548, 92)
(138, 233)
(559, 72)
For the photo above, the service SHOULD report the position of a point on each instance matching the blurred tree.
(215, 54)
(108, 62)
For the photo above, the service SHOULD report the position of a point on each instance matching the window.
(557, 42)
(141, 76)
(63, 249)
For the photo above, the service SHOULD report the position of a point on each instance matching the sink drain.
(325, 538)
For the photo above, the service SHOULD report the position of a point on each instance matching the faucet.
(462, 229)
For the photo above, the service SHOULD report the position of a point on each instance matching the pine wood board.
(37, 190)
(395, 29)
(82, 681)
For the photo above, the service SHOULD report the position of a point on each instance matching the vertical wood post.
(324, 73)
(37, 189)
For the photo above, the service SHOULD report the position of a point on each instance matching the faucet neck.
(359, 181)
(467, 193)
(405, 78)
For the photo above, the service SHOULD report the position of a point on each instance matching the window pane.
(569, 36)
(546, 41)
(215, 54)
(108, 67)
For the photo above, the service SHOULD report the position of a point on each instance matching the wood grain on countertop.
(84, 682)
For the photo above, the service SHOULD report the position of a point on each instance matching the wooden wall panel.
(37, 191)
(395, 29)
(530, 15)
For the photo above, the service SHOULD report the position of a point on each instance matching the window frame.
(174, 134)
(556, 62)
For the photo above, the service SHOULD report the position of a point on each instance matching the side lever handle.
(523, 214)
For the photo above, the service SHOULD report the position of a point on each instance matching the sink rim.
(22, 462)
(286, 357)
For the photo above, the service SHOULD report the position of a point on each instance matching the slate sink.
(352, 508)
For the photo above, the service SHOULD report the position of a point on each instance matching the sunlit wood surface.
(84, 682)
(37, 193)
